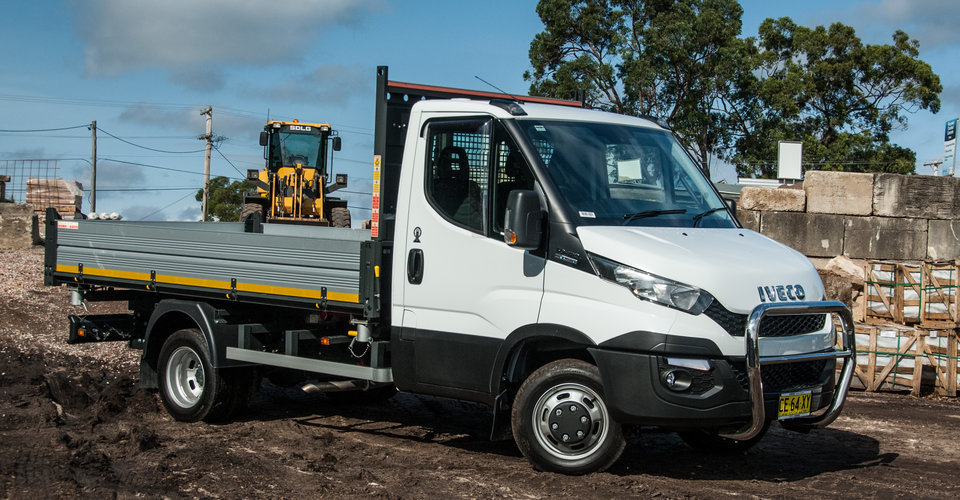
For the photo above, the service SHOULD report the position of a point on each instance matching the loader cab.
(289, 144)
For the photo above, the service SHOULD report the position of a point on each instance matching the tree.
(225, 199)
(734, 98)
(670, 59)
(824, 87)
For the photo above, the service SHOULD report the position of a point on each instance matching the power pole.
(934, 164)
(206, 158)
(93, 168)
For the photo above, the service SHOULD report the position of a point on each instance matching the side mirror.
(336, 143)
(522, 225)
(264, 138)
(732, 205)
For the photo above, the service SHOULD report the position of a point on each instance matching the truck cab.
(578, 267)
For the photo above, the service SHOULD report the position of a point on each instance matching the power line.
(144, 147)
(123, 104)
(228, 161)
(142, 189)
(45, 129)
(165, 207)
(171, 169)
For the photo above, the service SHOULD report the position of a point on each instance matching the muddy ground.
(73, 423)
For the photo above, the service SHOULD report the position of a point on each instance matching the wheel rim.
(571, 421)
(185, 377)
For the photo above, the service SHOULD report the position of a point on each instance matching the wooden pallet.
(939, 299)
(901, 358)
(880, 292)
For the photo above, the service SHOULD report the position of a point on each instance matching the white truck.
(572, 269)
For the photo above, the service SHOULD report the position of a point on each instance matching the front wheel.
(561, 422)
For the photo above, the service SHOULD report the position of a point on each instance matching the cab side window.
(458, 170)
(510, 172)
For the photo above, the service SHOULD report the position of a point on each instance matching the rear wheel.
(561, 422)
(191, 389)
(710, 441)
(340, 217)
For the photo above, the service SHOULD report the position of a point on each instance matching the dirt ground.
(73, 423)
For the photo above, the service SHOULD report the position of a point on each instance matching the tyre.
(561, 422)
(191, 389)
(340, 217)
(251, 208)
(708, 440)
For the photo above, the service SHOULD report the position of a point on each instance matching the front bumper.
(736, 395)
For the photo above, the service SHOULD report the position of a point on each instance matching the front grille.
(733, 323)
(783, 377)
(788, 326)
(771, 326)
(786, 376)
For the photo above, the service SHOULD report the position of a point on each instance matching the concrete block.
(884, 238)
(773, 200)
(749, 219)
(18, 227)
(943, 239)
(847, 193)
(814, 235)
(922, 196)
(844, 266)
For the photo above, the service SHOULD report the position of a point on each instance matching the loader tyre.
(340, 217)
(191, 389)
(251, 208)
(561, 422)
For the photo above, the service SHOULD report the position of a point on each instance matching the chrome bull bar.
(817, 419)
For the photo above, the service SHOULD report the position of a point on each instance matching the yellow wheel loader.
(293, 187)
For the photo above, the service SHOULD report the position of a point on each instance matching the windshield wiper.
(650, 213)
(697, 218)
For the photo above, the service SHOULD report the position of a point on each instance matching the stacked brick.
(64, 195)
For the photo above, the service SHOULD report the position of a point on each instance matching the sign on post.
(950, 147)
(790, 157)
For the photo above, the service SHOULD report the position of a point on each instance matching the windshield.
(299, 148)
(611, 174)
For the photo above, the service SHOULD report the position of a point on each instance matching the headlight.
(651, 287)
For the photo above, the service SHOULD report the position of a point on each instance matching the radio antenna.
(515, 98)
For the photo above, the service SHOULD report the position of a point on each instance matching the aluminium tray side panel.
(299, 262)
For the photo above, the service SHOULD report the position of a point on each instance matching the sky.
(145, 69)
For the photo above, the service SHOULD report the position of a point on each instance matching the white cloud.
(931, 22)
(240, 128)
(127, 35)
(112, 175)
(331, 84)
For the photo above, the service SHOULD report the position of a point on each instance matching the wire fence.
(20, 171)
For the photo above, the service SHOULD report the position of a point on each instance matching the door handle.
(415, 266)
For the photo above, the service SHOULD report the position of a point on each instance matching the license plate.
(796, 404)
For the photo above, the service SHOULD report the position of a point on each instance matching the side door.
(464, 289)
